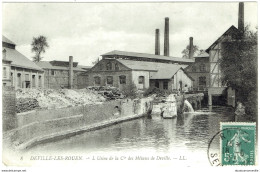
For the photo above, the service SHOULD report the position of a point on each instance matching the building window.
(193, 68)
(97, 80)
(141, 80)
(4, 72)
(109, 66)
(165, 85)
(202, 81)
(52, 72)
(110, 80)
(33, 80)
(157, 84)
(122, 79)
(202, 67)
(19, 80)
(116, 67)
(11, 78)
(40, 81)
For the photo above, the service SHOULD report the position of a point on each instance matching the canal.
(184, 137)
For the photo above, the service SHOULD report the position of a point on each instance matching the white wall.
(135, 78)
(181, 76)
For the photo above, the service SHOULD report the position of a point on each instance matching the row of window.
(165, 85)
(27, 81)
(109, 66)
(122, 80)
(202, 68)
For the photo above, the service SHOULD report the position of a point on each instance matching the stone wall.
(9, 119)
(40, 125)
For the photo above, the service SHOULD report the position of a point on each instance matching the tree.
(239, 68)
(96, 61)
(38, 47)
(186, 51)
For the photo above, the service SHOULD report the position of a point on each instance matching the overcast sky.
(87, 30)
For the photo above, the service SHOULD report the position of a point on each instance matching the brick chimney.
(166, 38)
(70, 72)
(191, 53)
(241, 17)
(157, 42)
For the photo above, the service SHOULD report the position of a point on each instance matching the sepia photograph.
(140, 84)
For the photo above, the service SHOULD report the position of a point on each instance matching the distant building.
(56, 73)
(200, 72)
(216, 87)
(121, 69)
(18, 70)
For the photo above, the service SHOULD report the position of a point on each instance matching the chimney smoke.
(166, 37)
(241, 17)
(191, 53)
(157, 42)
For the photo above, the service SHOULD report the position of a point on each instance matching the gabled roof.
(231, 31)
(204, 54)
(4, 39)
(149, 56)
(19, 60)
(158, 70)
(48, 65)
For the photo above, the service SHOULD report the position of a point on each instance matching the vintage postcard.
(164, 85)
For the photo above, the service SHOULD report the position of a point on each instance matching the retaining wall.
(41, 125)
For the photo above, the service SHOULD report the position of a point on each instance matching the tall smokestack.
(157, 42)
(166, 37)
(191, 53)
(241, 17)
(71, 72)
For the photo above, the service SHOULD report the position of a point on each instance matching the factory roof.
(147, 56)
(203, 54)
(231, 31)
(6, 40)
(48, 65)
(158, 70)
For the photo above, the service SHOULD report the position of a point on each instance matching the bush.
(130, 91)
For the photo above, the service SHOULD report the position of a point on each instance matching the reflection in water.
(187, 132)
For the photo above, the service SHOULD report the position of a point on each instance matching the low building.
(199, 71)
(18, 70)
(122, 73)
(57, 74)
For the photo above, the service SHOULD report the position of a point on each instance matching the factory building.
(18, 71)
(121, 68)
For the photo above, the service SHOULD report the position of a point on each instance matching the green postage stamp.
(238, 143)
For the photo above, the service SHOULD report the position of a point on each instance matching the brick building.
(18, 70)
(199, 71)
(120, 69)
(57, 73)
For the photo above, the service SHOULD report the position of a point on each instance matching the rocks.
(50, 98)
(26, 104)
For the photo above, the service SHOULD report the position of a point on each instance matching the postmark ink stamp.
(237, 143)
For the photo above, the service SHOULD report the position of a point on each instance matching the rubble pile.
(50, 98)
(26, 104)
(110, 93)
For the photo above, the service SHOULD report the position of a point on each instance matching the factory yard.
(31, 99)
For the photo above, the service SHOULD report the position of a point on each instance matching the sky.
(88, 30)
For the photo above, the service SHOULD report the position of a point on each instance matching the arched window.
(202, 81)
(19, 80)
(203, 67)
(116, 67)
(109, 66)
(110, 80)
(97, 80)
(4, 72)
(122, 79)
